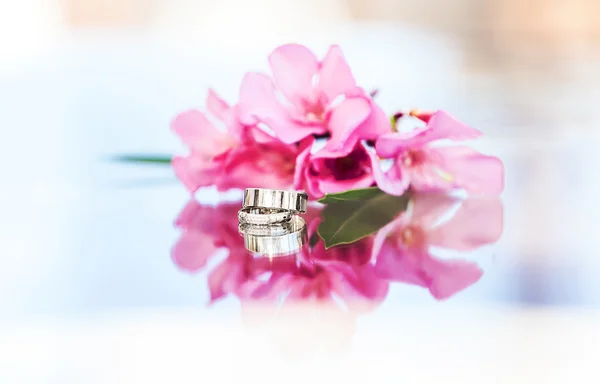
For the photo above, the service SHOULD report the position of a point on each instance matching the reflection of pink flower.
(425, 167)
(402, 247)
(342, 272)
(317, 274)
(231, 156)
(347, 273)
(354, 285)
(322, 98)
(355, 276)
(320, 174)
(205, 229)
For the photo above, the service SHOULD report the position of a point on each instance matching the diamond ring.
(263, 216)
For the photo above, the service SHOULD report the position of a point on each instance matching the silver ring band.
(277, 199)
(263, 216)
(279, 245)
(264, 230)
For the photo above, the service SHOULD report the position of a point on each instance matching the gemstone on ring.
(263, 216)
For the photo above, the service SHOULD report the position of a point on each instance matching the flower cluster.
(358, 274)
(310, 127)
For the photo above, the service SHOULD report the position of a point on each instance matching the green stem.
(144, 159)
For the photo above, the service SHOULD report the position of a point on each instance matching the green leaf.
(144, 159)
(345, 221)
(354, 194)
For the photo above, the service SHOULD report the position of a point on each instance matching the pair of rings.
(269, 206)
(270, 221)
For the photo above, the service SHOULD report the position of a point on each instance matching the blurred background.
(88, 292)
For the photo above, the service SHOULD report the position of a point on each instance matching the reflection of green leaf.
(146, 159)
(349, 220)
(354, 194)
(314, 239)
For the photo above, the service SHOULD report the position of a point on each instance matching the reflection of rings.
(287, 243)
(271, 198)
(263, 216)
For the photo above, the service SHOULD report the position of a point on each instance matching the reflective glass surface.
(111, 272)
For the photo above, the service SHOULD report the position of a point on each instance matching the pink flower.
(322, 98)
(402, 248)
(424, 166)
(232, 155)
(323, 173)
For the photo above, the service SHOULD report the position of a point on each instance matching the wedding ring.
(264, 230)
(276, 199)
(291, 241)
(263, 216)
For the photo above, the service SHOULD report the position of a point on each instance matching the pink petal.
(369, 284)
(428, 208)
(391, 182)
(227, 277)
(343, 122)
(191, 126)
(258, 100)
(200, 134)
(356, 254)
(259, 104)
(231, 119)
(450, 277)
(283, 276)
(258, 135)
(248, 175)
(331, 185)
(294, 67)
(302, 162)
(355, 285)
(401, 265)
(382, 235)
(335, 77)
(372, 127)
(428, 177)
(478, 221)
(471, 170)
(192, 251)
(213, 221)
(186, 217)
(312, 186)
(272, 289)
(440, 126)
(375, 125)
(258, 166)
(215, 105)
(194, 172)
(391, 144)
